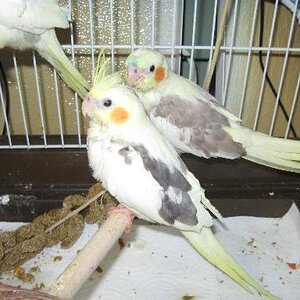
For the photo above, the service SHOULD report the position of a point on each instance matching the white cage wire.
(183, 30)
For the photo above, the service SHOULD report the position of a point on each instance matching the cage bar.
(72, 47)
(41, 110)
(283, 71)
(132, 25)
(173, 34)
(153, 25)
(230, 53)
(58, 109)
(293, 107)
(92, 46)
(185, 47)
(193, 40)
(249, 56)
(214, 22)
(266, 67)
(112, 35)
(5, 116)
(21, 99)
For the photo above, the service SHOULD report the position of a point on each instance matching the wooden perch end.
(89, 258)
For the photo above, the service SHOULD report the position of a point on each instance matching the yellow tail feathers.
(209, 247)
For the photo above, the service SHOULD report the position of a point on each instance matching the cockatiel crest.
(145, 70)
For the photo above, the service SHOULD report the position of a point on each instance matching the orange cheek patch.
(160, 74)
(119, 115)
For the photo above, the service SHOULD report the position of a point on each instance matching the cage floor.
(157, 263)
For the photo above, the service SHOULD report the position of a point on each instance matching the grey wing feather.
(176, 202)
(201, 122)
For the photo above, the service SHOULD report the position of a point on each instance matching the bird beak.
(88, 106)
(133, 75)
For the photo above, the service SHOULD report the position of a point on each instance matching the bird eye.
(107, 102)
(152, 68)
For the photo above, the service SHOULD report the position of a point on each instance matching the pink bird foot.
(120, 209)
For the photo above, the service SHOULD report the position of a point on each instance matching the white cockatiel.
(194, 122)
(144, 172)
(30, 24)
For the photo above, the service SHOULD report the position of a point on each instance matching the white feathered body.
(131, 183)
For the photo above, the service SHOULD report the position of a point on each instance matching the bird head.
(111, 104)
(146, 69)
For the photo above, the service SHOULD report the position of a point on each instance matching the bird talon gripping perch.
(120, 209)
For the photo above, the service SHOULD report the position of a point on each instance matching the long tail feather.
(278, 153)
(208, 246)
(50, 48)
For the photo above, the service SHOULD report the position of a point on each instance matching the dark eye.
(152, 68)
(107, 102)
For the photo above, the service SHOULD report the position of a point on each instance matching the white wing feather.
(34, 16)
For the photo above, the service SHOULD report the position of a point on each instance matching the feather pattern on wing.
(196, 128)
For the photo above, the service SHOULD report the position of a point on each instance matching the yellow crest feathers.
(101, 79)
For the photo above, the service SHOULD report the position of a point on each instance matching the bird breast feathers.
(122, 173)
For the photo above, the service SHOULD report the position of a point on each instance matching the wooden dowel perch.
(89, 258)
(220, 36)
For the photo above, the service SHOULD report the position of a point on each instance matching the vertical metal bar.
(132, 24)
(77, 111)
(293, 108)
(248, 59)
(58, 109)
(153, 25)
(173, 34)
(283, 72)
(213, 33)
(92, 34)
(266, 66)
(5, 116)
(223, 61)
(230, 53)
(21, 99)
(112, 35)
(181, 33)
(193, 38)
(223, 72)
(38, 92)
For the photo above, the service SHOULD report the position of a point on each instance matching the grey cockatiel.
(30, 24)
(192, 120)
(145, 174)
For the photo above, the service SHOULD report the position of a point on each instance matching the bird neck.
(131, 132)
(151, 99)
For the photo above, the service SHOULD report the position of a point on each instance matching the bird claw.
(120, 209)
